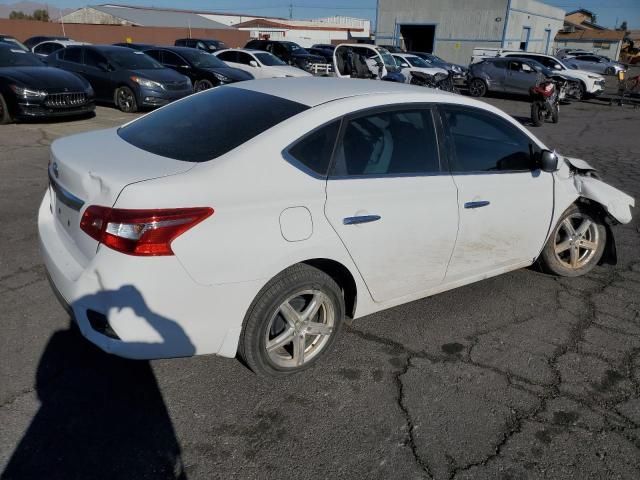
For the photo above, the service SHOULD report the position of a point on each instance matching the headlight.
(143, 82)
(222, 78)
(27, 93)
(457, 69)
(594, 77)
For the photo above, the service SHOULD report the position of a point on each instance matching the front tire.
(555, 113)
(125, 100)
(478, 88)
(576, 244)
(202, 84)
(292, 323)
(5, 116)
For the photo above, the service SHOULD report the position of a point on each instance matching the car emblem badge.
(55, 170)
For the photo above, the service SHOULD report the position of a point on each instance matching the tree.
(40, 15)
(623, 26)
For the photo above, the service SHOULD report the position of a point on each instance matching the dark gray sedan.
(595, 63)
(505, 75)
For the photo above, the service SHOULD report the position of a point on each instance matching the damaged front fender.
(576, 178)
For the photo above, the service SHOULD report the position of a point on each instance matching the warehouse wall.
(461, 25)
(23, 29)
(544, 22)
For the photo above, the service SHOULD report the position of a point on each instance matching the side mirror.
(185, 67)
(548, 161)
(254, 64)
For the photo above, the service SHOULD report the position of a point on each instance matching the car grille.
(64, 100)
(176, 86)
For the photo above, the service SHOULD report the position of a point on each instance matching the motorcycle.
(546, 98)
(440, 81)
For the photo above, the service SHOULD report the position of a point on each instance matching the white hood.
(287, 71)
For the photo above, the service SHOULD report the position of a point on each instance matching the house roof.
(295, 25)
(602, 35)
(153, 17)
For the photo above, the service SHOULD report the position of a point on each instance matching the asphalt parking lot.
(520, 376)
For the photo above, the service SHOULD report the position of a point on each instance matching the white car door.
(505, 202)
(390, 202)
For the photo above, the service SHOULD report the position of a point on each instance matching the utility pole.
(291, 11)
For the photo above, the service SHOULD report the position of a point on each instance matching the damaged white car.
(310, 201)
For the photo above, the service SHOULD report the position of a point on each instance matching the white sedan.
(412, 63)
(259, 63)
(310, 200)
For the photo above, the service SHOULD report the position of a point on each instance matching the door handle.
(478, 204)
(360, 219)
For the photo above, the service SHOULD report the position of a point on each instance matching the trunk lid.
(92, 169)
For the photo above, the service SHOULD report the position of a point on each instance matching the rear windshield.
(208, 125)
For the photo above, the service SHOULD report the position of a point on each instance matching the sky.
(608, 11)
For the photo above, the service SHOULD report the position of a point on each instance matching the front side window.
(401, 142)
(187, 131)
(170, 58)
(314, 151)
(228, 56)
(483, 142)
(94, 59)
(400, 61)
(269, 59)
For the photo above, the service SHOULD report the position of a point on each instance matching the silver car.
(505, 75)
(596, 64)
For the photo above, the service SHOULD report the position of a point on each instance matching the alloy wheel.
(477, 88)
(576, 241)
(125, 100)
(202, 85)
(300, 328)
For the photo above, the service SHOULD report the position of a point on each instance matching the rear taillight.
(140, 232)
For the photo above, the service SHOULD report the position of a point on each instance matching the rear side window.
(484, 142)
(208, 125)
(401, 142)
(314, 151)
(72, 54)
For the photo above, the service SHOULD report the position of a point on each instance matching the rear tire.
(537, 114)
(478, 88)
(277, 338)
(576, 243)
(125, 100)
(5, 116)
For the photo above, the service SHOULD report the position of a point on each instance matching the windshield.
(14, 42)
(200, 59)
(387, 58)
(417, 62)
(187, 130)
(14, 57)
(268, 59)
(133, 60)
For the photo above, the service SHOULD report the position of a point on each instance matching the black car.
(322, 52)
(134, 46)
(206, 44)
(31, 89)
(33, 41)
(324, 46)
(12, 41)
(127, 78)
(204, 70)
(289, 52)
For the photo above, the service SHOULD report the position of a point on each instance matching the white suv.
(591, 84)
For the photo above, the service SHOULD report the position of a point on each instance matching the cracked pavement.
(525, 375)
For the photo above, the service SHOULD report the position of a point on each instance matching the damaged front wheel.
(576, 244)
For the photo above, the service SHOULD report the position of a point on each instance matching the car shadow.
(101, 416)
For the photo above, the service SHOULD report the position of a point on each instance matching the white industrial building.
(305, 32)
(453, 28)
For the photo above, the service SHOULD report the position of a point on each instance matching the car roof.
(66, 43)
(247, 50)
(175, 49)
(313, 91)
